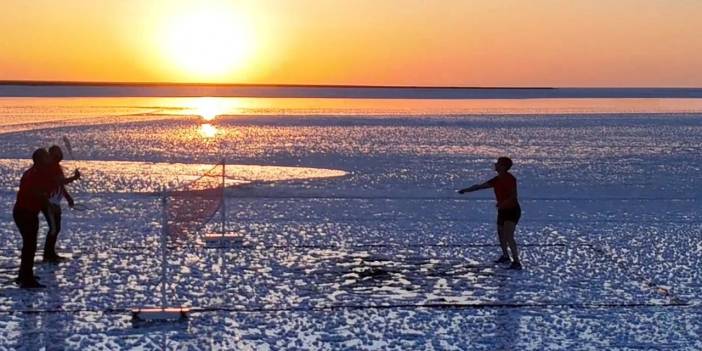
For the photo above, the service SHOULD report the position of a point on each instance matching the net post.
(164, 234)
(163, 312)
(224, 198)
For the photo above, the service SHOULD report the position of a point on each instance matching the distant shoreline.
(22, 88)
(241, 85)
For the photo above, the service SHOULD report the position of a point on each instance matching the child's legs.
(508, 230)
(503, 241)
(53, 218)
(50, 220)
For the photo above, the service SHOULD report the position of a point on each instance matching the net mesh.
(190, 206)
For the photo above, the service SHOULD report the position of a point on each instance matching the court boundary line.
(428, 306)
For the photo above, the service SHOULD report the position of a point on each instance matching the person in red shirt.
(32, 197)
(52, 212)
(508, 210)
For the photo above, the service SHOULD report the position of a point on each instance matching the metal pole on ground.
(163, 312)
(164, 234)
(223, 208)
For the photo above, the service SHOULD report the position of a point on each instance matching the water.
(368, 256)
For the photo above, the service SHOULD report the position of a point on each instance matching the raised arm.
(63, 180)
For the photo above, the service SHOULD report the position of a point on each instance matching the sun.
(208, 41)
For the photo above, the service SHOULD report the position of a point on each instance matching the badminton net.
(191, 205)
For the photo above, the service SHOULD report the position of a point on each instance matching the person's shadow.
(34, 328)
(507, 317)
(42, 325)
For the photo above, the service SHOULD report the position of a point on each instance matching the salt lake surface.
(353, 235)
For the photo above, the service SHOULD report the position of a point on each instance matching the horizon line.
(21, 82)
(37, 88)
(249, 85)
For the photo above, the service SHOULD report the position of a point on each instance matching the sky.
(574, 43)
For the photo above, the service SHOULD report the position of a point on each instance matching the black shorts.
(509, 215)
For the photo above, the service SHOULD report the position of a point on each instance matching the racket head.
(69, 147)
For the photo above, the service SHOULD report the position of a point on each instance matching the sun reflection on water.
(149, 177)
(209, 108)
(208, 131)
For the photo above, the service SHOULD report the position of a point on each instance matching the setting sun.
(207, 41)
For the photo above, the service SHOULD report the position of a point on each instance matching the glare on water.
(209, 108)
(145, 177)
(208, 131)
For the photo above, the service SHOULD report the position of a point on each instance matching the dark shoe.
(54, 258)
(516, 265)
(36, 277)
(503, 259)
(31, 284)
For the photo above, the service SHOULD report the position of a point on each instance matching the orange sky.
(403, 42)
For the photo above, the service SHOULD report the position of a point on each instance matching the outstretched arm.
(475, 187)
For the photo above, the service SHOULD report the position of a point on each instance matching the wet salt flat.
(381, 253)
(153, 177)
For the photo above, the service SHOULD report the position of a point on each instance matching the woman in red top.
(508, 210)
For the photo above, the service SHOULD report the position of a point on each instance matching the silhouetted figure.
(32, 197)
(508, 210)
(52, 212)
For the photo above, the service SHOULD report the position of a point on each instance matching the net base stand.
(147, 314)
(223, 240)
